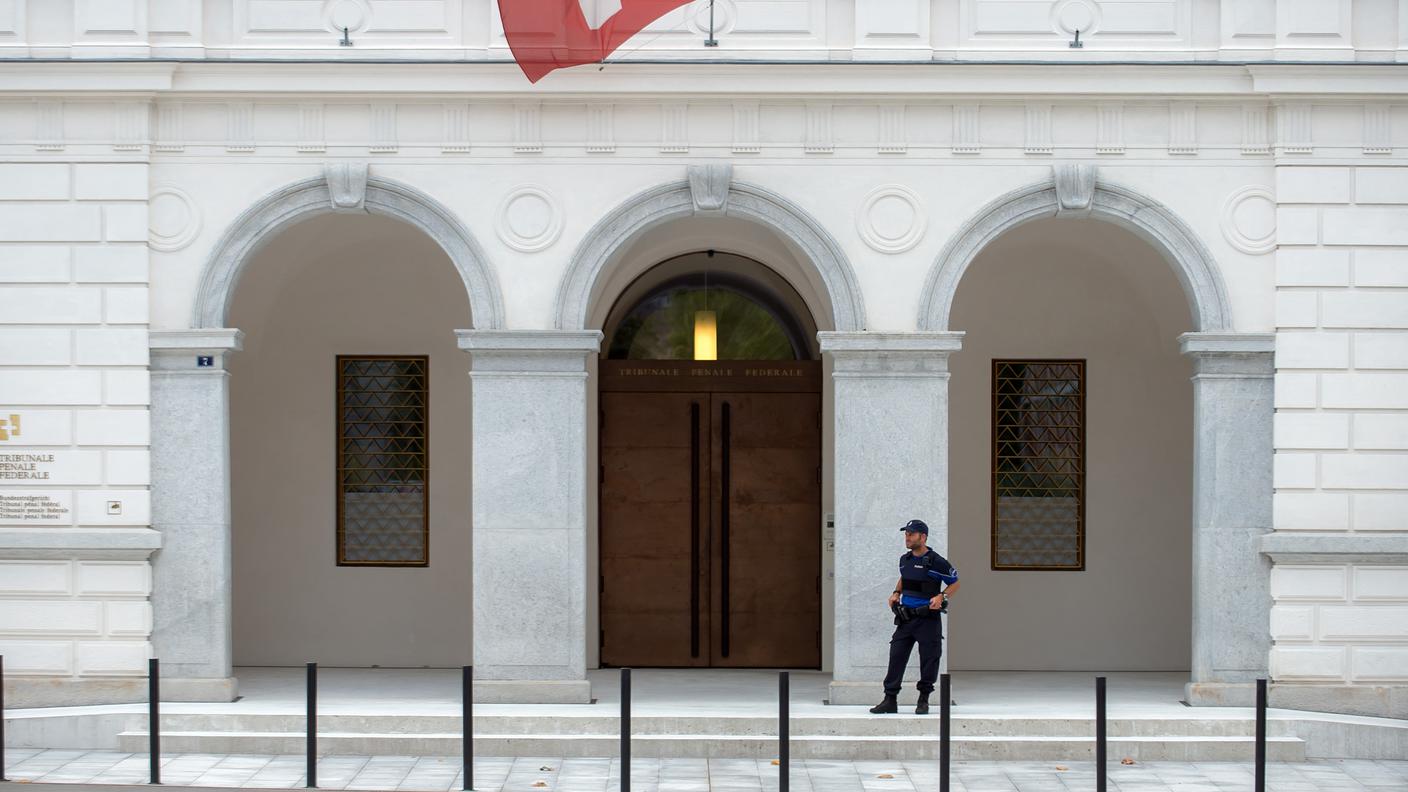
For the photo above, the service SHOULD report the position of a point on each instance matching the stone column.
(891, 465)
(191, 593)
(529, 480)
(1232, 457)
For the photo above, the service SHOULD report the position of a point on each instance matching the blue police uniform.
(921, 579)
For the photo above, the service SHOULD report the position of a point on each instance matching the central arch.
(615, 233)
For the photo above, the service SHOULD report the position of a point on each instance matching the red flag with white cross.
(553, 34)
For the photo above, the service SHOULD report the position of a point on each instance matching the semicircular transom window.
(661, 326)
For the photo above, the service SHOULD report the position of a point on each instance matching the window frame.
(1081, 475)
(339, 530)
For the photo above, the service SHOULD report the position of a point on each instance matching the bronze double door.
(710, 514)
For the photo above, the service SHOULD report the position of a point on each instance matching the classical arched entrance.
(193, 591)
(350, 451)
(1071, 452)
(791, 257)
(1231, 441)
(710, 470)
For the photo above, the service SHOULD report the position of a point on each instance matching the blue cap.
(916, 526)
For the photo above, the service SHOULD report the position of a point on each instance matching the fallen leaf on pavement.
(540, 783)
(884, 775)
(1126, 761)
(1062, 767)
(777, 761)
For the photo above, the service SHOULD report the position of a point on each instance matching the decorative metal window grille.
(383, 460)
(1038, 464)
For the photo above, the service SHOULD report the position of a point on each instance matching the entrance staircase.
(845, 737)
(701, 713)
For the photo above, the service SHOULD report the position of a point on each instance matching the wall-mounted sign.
(205, 361)
(10, 426)
(30, 507)
(744, 376)
(25, 467)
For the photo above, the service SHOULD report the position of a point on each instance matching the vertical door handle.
(726, 442)
(694, 529)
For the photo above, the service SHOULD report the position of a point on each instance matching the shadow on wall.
(1090, 290)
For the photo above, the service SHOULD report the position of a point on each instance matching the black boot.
(889, 705)
(922, 708)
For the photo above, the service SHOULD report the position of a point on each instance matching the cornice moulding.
(78, 77)
(724, 80)
(79, 543)
(718, 79)
(1294, 547)
(1329, 80)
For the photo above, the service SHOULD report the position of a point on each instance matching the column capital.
(1230, 354)
(867, 354)
(529, 352)
(566, 341)
(1211, 344)
(183, 350)
(865, 342)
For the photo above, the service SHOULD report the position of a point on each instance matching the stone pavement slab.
(99, 771)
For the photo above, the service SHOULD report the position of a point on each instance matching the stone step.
(865, 725)
(966, 747)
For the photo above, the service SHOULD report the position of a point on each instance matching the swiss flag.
(554, 34)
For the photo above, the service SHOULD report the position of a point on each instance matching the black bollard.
(467, 724)
(2, 719)
(945, 696)
(1260, 783)
(1099, 734)
(154, 718)
(625, 730)
(312, 725)
(784, 732)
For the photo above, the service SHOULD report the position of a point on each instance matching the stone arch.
(337, 192)
(648, 209)
(1074, 191)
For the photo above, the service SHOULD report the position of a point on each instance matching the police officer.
(927, 580)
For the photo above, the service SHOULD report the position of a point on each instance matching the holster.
(905, 615)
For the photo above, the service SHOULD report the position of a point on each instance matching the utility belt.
(905, 615)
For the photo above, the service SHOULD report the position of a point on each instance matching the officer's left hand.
(937, 603)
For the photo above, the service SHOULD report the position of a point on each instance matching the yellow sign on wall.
(9, 427)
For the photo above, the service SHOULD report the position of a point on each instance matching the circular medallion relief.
(1073, 15)
(891, 219)
(350, 14)
(529, 219)
(172, 219)
(724, 15)
(1249, 220)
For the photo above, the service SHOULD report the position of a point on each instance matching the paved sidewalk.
(690, 775)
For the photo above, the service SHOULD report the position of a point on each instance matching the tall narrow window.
(1038, 463)
(383, 461)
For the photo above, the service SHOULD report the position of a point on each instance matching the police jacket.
(923, 577)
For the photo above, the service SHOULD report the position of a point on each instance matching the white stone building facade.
(1203, 190)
